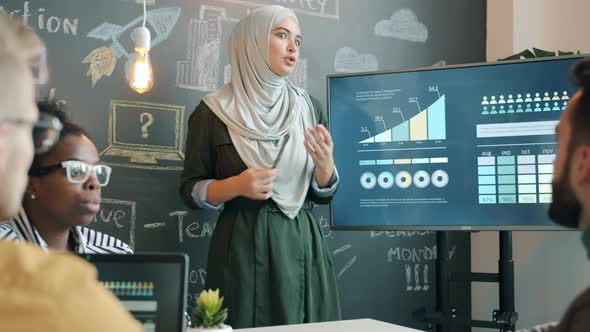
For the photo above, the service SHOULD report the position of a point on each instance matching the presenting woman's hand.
(256, 183)
(319, 145)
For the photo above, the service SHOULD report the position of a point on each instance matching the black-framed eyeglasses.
(46, 131)
(78, 171)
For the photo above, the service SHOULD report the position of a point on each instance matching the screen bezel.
(441, 227)
(152, 257)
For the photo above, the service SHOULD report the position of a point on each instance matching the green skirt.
(271, 270)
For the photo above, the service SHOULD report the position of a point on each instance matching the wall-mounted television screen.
(467, 147)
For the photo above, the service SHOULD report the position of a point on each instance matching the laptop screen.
(151, 286)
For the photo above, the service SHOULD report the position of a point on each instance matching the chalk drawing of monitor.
(145, 135)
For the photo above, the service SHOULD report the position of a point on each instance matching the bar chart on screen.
(428, 125)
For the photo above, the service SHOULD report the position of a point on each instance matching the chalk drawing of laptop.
(145, 135)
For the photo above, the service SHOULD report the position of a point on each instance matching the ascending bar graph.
(429, 124)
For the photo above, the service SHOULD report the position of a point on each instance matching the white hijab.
(260, 108)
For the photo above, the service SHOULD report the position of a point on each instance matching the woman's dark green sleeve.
(321, 119)
(198, 162)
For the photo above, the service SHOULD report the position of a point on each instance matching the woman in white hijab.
(257, 150)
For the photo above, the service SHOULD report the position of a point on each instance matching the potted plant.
(208, 315)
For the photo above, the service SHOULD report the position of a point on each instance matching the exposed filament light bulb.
(141, 75)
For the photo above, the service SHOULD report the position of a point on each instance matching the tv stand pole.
(445, 316)
(506, 282)
(443, 285)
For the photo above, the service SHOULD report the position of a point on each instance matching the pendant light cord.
(144, 13)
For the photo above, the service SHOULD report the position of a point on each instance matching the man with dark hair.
(571, 188)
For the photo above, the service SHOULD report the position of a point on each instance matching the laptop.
(152, 286)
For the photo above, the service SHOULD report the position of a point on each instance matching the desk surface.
(355, 325)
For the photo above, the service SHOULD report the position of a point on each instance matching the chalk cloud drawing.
(161, 21)
(348, 60)
(403, 25)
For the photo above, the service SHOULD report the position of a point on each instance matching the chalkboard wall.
(381, 275)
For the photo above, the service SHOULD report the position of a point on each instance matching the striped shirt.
(87, 241)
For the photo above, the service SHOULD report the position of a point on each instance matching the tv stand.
(445, 316)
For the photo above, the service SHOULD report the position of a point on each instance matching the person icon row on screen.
(546, 97)
(492, 111)
(546, 108)
(492, 101)
(527, 99)
(519, 108)
(564, 96)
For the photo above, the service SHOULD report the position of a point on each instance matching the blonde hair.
(20, 50)
(18, 42)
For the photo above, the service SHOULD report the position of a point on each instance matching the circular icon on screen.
(368, 180)
(421, 179)
(440, 179)
(385, 180)
(403, 179)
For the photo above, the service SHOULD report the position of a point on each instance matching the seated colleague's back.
(63, 195)
(55, 291)
(39, 291)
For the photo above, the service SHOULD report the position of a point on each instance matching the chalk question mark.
(148, 118)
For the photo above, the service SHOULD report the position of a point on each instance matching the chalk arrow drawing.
(161, 21)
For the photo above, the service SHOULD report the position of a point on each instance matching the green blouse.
(271, 270)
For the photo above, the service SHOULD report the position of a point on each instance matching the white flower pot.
(225, 328)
